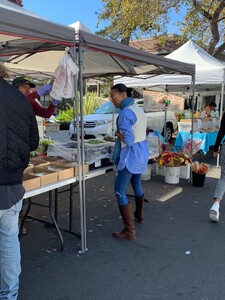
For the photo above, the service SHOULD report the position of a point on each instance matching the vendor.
(207, 110)
(24, 86)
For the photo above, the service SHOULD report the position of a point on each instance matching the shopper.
(19, 136)
(24, 85)
(220, 187)
(130, 156)
(206, 113)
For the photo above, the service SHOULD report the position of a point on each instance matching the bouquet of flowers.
(200, 168)
(191, 147)
(186, 158)
(171, 159)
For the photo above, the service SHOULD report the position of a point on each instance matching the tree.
(204, 20)
(17, 2)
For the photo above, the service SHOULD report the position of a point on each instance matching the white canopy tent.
(209, 70)
(210, 73)
(25, 39)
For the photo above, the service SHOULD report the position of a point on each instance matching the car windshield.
(107, 108)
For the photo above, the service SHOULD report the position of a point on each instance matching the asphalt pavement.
(178, 253)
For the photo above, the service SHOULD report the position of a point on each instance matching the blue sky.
(69, 11)
(66, 11)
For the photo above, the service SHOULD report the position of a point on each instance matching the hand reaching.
(45, 89)
(55, 102)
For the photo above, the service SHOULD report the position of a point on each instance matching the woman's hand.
(119, 135)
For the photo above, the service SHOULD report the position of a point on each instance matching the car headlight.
(102, 122)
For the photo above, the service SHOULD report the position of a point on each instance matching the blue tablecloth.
(208, 140)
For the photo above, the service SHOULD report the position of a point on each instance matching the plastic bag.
(63, 86)
(191, 147)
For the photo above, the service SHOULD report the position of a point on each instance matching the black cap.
(19, 81)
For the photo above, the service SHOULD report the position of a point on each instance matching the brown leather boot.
(139, 209)
(128, 233)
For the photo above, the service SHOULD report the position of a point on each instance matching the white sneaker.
(214, 215)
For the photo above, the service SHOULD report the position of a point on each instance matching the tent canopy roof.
(209, 72)
(191, 52)
(23, 35)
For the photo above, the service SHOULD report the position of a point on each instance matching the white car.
(103, 122)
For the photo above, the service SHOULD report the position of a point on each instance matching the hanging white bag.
(63, 86)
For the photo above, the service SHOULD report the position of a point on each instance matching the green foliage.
(66, 104)
(66, 116)
(202, 21)
(179, 116)
(90, 103)
(42, 148)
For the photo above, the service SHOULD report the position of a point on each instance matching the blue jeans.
(122, 180)
(9, 252)
(220, 186)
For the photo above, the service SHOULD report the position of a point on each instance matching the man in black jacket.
(19, 135)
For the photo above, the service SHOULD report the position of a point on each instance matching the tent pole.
(79, 148)
(81, 170)
(221, 100)
(76, 109)
(221, 114)
(193, 110)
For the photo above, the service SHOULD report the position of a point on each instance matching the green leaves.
(203, 20)
(90, 103)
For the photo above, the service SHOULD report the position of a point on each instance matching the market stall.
(209, 78)
(207, 139)
(25, 36)
(202, 130)
(209, 73)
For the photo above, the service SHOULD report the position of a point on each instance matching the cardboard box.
(188, 120)
(29, 167)
(31, 182)
(52, 159)
(186, 127)
(86, 169)
(69, 163)
(46, 176)
(64, 172)
(36, 161)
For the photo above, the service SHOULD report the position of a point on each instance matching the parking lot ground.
(178, 253)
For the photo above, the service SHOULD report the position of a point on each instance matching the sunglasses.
(114, 97)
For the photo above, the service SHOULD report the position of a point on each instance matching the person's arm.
(220, 134)
(127, 119)
(39, 110)
(33, 134)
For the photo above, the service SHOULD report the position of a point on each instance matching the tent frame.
(23, 33)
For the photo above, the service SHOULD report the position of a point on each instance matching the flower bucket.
(147, 173)
(160, 170)
(198, 179)
(172, 175)
(185, 171)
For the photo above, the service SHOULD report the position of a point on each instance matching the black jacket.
(221, 134)
(18, 133)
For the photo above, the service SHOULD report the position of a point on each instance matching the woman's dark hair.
(120, 87)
